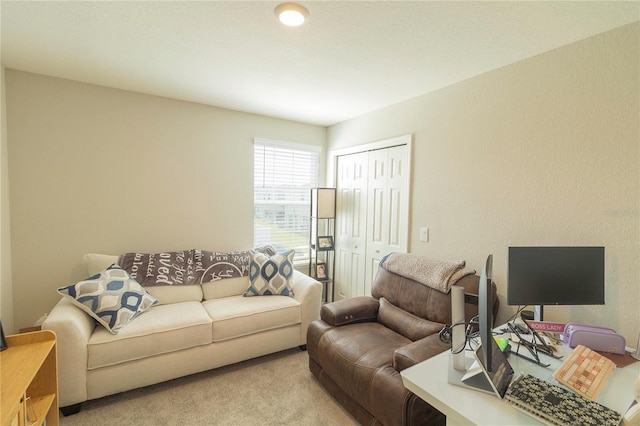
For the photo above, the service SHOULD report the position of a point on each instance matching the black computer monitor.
(485, 313)
(555, 276)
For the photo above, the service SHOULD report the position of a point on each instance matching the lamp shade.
(323, 203)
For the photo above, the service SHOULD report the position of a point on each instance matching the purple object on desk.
(594, 337)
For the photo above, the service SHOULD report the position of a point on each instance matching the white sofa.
(194, 328)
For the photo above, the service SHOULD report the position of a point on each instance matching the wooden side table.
(29, 390)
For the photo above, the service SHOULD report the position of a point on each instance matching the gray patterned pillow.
(270, 275)
(112, 297)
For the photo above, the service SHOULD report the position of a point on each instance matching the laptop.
(501, 374)
(479, 378)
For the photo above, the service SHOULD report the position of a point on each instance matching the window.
(283, 175)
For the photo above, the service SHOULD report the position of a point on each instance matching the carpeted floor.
(276, 389)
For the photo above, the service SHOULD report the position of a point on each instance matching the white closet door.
(350, 242)
(387, 209)
(372, 214)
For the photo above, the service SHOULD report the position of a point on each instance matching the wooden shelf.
(41, 406)
(29, 370)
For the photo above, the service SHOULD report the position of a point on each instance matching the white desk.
(463, 406)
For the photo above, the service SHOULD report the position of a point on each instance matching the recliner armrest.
(418, 351)
(349, 311)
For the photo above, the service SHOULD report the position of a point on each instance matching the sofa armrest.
(73, 327)
(308, 292)
(418, 351)
(349, 311)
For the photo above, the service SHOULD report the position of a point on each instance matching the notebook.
(556, 406)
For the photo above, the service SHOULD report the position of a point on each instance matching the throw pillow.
(270, 275)
(112, 297)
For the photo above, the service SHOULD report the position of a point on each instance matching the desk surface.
(429, 380)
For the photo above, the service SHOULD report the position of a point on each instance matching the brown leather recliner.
(360, 345)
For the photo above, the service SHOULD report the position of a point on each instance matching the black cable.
(446, 334)
(518, 311)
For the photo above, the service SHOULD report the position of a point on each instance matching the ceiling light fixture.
(291, 14)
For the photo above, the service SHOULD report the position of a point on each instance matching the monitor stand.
(536, 315)
(472, 377)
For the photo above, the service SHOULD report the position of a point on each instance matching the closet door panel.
(350, 222)
(387, 210)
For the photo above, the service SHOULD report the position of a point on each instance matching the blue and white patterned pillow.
(112, 297)
(270, 275)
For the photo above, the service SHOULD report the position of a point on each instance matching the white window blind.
(282, 179)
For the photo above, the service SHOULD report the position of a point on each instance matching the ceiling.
(348, 59)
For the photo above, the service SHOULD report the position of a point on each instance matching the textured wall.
(93, 169)
(6, 287)
(541, 152)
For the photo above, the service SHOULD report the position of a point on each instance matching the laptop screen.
(501, 371)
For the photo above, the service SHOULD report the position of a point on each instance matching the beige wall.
(93, 169)
(545, 151)
(542, 152)
(6, 288)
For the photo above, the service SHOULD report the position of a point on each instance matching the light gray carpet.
(276, 389)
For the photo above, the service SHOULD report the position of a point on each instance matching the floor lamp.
(322, 259)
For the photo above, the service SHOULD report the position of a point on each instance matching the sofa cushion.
(402, 322)
(270, 275)
(162, 329)
(112, 297)
(237, 316)
(167, 294)
(164, 293)
(225, 287)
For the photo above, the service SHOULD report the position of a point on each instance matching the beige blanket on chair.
(437, 274)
